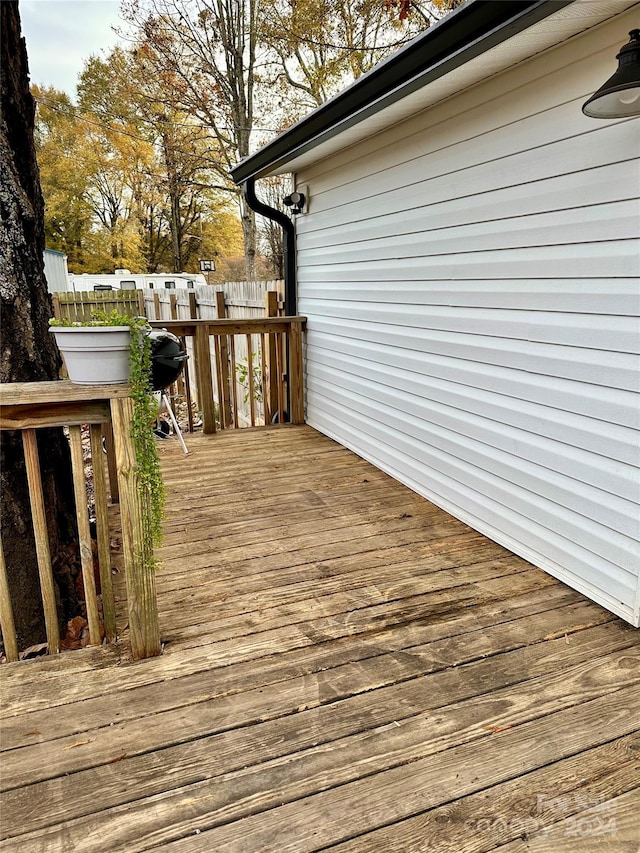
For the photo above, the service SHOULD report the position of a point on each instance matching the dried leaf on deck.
(35, 651)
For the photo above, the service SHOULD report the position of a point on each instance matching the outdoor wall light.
(296, 200)
(619, 97)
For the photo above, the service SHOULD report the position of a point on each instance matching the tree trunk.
(249, 232)
(175, 231)
(28, 350)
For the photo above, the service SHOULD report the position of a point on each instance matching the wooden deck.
(345, 668)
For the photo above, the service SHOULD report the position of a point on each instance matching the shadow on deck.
(346, 667)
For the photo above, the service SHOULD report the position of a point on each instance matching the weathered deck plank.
(525, 804)
(346, 667)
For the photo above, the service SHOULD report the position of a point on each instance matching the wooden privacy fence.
(241, 299)
(78, 306)
(107, 411)
(271, 379)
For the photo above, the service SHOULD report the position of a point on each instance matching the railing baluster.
(271, 392)
(187, 386)
(102, 528)
(43, 554)
(226, 415)
(111, 463)
(226, 380)
(233, 378)
(279, 378)
(252, 402)
(265, 387)
(6, 613)
(84, 535)
(219, 381)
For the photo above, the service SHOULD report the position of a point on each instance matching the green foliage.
(126, 173)
(242, 374)
(145, 411)
(101, 318)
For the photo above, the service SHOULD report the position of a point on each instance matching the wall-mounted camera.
(295, 201)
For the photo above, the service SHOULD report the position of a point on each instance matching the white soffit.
(548, 33)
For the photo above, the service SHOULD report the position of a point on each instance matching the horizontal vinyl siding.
(471, 282)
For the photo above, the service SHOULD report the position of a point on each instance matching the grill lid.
(167, 358)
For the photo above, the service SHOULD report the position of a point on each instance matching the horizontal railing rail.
(106, 410)
(269, 376)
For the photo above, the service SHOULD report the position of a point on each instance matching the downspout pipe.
(289, 244)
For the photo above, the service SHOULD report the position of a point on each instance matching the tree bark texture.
(28, 352)
(250, 235)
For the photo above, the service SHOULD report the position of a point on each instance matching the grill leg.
(172, 417)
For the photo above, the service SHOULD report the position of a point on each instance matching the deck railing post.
(296, 389)
(139, 569)
(204, 379)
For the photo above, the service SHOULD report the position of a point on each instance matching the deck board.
(345, 668)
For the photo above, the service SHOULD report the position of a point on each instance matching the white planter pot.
(95, 355)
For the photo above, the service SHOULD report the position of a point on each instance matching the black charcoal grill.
(167, 358)
(167, 363)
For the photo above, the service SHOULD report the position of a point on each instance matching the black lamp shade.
(619, 97)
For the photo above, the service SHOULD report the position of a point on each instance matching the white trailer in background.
(124, 279)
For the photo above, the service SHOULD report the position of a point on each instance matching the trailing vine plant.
(145, 411)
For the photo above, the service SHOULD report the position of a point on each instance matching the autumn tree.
(83, 182)
(319, 46)
(28, 351)
(209, 49)
(426, 11)
(65, 180)
(167, 155)
(247, 70)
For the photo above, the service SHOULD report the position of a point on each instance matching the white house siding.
(471, 282)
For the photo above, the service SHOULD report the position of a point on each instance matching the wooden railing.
(107, 411)
(270, 376)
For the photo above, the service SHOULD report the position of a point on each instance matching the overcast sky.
(61, 34)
